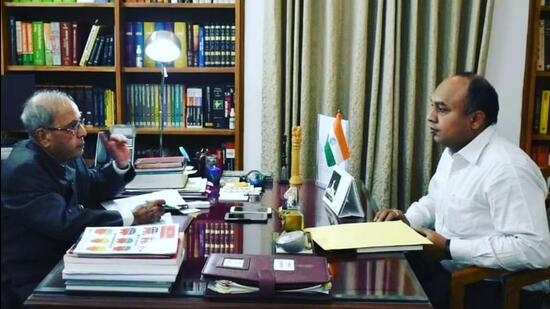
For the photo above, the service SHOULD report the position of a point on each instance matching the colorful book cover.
(56, 43)
(48, 44)
(159, 239)
(139, 43)
(148, 28)
(38, 43)
(544, 110)
(130, 45)
(181, 33)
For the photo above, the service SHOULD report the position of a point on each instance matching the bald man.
(485, 202)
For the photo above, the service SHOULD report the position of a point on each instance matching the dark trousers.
(13, 297)
(486, 294)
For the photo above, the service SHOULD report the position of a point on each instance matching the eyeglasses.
(72, 128)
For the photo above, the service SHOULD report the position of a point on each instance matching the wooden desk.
(359, 281)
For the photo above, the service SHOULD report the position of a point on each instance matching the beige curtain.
(377, 62)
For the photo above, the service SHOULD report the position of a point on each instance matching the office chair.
(512, 281)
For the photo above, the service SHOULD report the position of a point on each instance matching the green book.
(39, 56)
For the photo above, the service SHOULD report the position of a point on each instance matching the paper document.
(195, 184)
(172, 197)
(368, 237)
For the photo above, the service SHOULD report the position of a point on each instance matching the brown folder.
(271, 276)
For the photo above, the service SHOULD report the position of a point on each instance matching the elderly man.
(49, 195)
(485, 202)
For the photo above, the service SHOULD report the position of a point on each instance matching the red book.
(75, 44)
(66, 43)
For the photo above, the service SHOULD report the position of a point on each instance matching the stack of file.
(144, 259)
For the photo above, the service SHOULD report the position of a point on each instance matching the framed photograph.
(341, 195)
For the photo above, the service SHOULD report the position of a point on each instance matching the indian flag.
(336, 148)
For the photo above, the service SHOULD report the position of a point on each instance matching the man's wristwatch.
(448, 249)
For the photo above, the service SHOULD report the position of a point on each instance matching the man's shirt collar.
(472, 151)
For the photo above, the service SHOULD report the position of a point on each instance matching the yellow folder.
(368, 237)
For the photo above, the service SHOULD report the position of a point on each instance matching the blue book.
(140, 43)
(159, 25)
(130, 45)
(201, 46)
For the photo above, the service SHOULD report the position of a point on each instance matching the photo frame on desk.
(342, 195)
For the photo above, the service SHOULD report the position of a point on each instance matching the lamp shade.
(162, 46)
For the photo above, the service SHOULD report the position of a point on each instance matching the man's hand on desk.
(149, 212)
(390, 215)
(437, 250)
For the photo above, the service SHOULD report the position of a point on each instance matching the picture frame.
(341, 195)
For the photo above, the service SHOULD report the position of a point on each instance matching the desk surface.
(359, 281)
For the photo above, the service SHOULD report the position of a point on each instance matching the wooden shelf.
(543, 73)
(178, 5)
(59, 68)
(545, 8)
(541, 137)
(208, 70)
(57, 5)
(187, 131)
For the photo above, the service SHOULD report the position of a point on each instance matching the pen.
(176, 207)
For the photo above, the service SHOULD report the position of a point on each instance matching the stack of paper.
(125, 259)
(368, 237)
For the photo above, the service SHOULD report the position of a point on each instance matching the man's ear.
(42, 137)
(477, 121)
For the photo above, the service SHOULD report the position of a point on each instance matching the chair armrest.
(514, 281)
(462, 277)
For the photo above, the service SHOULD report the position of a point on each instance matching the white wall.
(253, 49)
(505, 68)
(506, 63)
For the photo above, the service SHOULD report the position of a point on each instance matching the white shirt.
(488, 198)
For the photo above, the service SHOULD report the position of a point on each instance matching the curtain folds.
(377, 62)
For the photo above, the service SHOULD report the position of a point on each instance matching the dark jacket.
(45, 207)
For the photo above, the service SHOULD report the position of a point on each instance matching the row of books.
(190, 107)
(542, 109)
(540, 154)
(143, 259)
(181, 1)
(99, 47)
(97, 104)
(209, 45)
(543, 48)
(64, 1)
(206, 236)
(56, 43)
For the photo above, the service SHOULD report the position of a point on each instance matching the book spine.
(129, 45)
(547, 44)
(189, 44)
(544, 109)
(232, 46)
(38, 43)
(99, 51)
(540, 46)
(75, 43)
(48, 44)
(95, 48)
(201, 46)
(180, 30)
(19, 42)
(196, 42)
(66, 44)
(536, 117)
(148, 28)
(56, 43)
(139, 43)
(89, 45)
(13, 41)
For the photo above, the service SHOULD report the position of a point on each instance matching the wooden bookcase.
(115, 77)
(534, 81)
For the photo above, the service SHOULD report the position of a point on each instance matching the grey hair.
(40, 109)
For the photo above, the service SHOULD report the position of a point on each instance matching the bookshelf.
(536, 80)
(117, 77)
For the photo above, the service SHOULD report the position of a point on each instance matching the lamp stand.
(162, 106)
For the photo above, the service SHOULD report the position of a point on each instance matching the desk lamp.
(162, 46)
